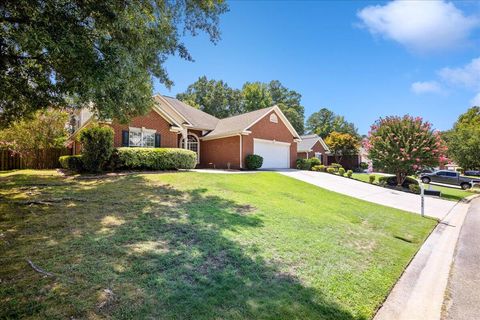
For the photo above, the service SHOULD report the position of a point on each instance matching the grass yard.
(196, 246)
(454, 194)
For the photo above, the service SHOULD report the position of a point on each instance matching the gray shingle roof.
(307, 143)
(219, 127)
(198, 118)
(237, 124)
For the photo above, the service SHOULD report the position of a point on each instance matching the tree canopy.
(402, 145)
(218, 99)
(213, 97)
(325, 121)
(464, 140)
(342, 144)
(55, 53)
(32, 138)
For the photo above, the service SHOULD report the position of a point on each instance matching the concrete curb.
(470, 198)
(420, 291)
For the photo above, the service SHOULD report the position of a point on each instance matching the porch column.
(184, 133)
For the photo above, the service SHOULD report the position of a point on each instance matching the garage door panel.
(275, 154)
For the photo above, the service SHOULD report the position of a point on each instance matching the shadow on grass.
(133, 249)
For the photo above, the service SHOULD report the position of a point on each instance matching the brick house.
(219, 143)
(313, 146)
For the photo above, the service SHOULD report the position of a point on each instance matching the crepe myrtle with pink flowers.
(402, 145)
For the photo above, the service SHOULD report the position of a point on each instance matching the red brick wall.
(317, 147)
(264, 129)
(151, 120)
(219, 152)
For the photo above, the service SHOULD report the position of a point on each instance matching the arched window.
(192, 144)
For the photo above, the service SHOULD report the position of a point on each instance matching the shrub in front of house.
(335, 166)
(156, 158)
(314, 162)
(363, 165)
(73, 163)
(320, 168)
(97, 147)
(253, 161)
(331, 170)
(341, 171)
(302, 164)
(349, 173)
(371, 178)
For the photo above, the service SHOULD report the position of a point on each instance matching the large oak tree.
(72, 52)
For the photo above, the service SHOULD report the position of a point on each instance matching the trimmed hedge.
(74, 163)
(320, 168)
(314, 162)
(156, 158)
(253, 161)
(302, 164)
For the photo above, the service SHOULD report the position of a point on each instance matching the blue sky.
(363, 60)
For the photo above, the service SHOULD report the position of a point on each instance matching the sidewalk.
(420, 292)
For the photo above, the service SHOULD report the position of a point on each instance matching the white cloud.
(468, 75)
(476, 100)
(422, 26)
(426, 87)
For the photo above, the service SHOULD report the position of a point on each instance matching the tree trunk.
(400, 178)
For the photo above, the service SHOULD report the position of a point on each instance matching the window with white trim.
(273, 118)
(141, 137)
(318, 155)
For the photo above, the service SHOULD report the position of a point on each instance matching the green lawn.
(454, 194)
(196, 246)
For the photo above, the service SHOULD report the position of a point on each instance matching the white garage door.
(275, 154)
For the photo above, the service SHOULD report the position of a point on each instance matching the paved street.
(463, 293)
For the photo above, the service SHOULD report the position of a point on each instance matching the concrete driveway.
(434, 207)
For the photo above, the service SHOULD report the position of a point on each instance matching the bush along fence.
(45, 159)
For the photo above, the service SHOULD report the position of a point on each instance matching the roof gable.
(308, 141)
(194, 118)
(241, 123)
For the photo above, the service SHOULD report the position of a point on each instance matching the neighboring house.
(313, 146)
(219, 143)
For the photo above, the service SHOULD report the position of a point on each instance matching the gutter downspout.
(241, 149)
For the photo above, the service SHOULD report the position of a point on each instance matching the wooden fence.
(44, 159)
